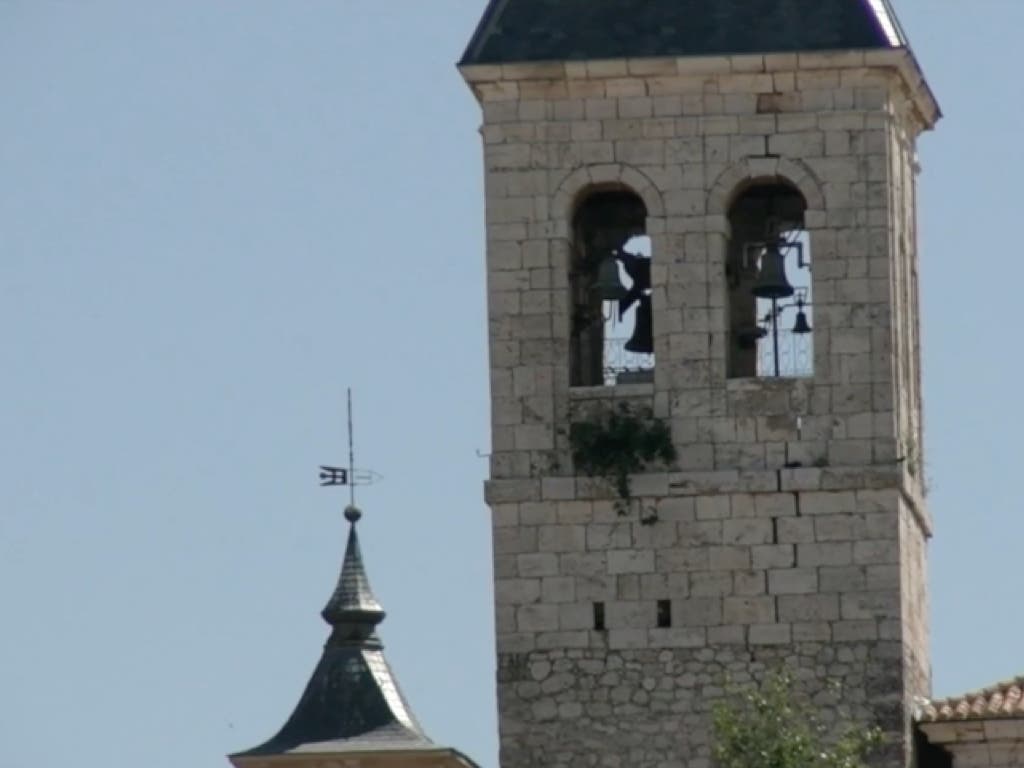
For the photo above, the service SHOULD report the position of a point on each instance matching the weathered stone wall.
(980, 742)
(913, 564)
(808, 580)
(791, 530)
(995, 753)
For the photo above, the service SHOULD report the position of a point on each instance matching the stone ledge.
(744, 64)
(651, 485)
(974, 731)
(617, 391)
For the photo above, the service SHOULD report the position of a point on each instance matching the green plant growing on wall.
(770, 726)
(619, 442)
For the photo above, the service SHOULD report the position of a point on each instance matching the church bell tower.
(704, 355)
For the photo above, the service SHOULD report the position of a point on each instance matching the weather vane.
(350, 476)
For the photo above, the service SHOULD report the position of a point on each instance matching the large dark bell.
(642, 340)
(801, 325)
(771, 281)
(747, 338)
(608, 286)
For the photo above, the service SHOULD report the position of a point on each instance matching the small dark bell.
(608, 286)
(642, 340)
(747, 338)
(771, 280)
(801, 325)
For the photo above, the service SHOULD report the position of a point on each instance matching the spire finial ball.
(352, 513)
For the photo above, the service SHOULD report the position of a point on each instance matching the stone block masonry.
(791, 530)
(791, 595)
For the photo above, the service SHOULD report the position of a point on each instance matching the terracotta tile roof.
(1001, 700)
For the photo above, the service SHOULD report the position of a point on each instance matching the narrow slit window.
(612, 335)
(599, 617)
(664, 613)
(768, 273)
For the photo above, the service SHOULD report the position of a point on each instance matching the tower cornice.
(546, 79)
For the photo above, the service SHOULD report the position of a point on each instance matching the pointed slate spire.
(352, 610)
(352, 705)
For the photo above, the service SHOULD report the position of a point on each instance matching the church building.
(707, 449)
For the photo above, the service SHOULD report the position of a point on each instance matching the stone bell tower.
(706, 412)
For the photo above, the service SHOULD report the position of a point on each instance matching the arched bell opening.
(768, 274)
(611, 337)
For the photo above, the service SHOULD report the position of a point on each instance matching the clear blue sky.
(217, 214)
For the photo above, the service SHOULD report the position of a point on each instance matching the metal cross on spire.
(350, 476)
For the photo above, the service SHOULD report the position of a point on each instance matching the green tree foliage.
(620, 442)
(770, 726)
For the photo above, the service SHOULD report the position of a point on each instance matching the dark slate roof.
(352, 702)
(352, 598)
(573, 30)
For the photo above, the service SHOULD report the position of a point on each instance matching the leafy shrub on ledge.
(619, 442)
